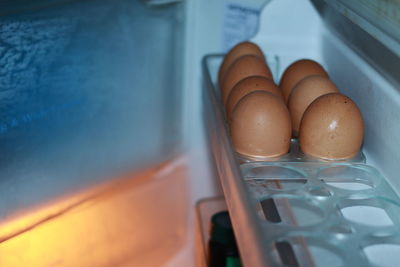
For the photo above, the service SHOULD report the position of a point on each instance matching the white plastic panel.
(291, 30)
(378, 99)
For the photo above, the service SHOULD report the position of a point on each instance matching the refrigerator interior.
(92, 165)
(352, 48)
(105, 153)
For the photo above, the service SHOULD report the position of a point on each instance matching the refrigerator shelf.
(296, 210)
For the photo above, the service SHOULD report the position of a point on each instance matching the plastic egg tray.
(296, 155)
(337, 208)
(314, 212)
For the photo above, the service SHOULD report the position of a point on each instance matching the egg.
(332, 128)
(296, 72)
(241, 49)
(248, 85)
(305, 92)
(243, 67)
(261, 126)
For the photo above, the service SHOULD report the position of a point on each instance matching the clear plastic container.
(297, 210)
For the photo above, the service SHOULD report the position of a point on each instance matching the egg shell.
(248, 85)
(304, 93)
(332, 128)
(261, 126)
(298, 71)
(243, 67)
(241, 49)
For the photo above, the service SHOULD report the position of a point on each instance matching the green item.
(233, 262)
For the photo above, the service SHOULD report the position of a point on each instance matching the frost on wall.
(28, 49)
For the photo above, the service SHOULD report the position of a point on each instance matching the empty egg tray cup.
(315, 212)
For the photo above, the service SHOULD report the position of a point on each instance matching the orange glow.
(138, 220)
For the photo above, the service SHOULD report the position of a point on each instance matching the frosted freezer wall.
(89, 90)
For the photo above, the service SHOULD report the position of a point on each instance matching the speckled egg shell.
(304, 93)
(260, 126)
(241, 49)
(243, 67)
(298, 71)
(332, 128)
(248, 85)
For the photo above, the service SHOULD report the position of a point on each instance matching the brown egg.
(296, 72)
(332, 128)
(248, 85)
(243, 67)
(261, 126)
(305, 92)
(241, 49)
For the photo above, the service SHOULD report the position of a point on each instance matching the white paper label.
(240, 23)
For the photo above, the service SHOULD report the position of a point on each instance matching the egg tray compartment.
(212, 64)
(311, 212)
(296, 155)
(336, 238)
